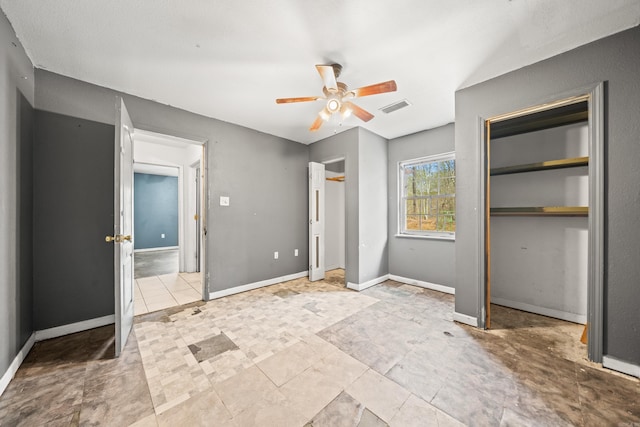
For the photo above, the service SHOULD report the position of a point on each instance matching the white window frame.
(402, 231)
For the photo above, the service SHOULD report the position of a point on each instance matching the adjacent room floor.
(155, 263)
(158, 285)
(167, 290)
(316, 354)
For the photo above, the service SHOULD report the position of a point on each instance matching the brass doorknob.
(118, 238)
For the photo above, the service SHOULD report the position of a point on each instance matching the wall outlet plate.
(275, 255)
(224, 200)
(295, 252)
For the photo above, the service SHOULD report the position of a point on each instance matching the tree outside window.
(428, 196)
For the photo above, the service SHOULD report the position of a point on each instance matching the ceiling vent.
(395, 106)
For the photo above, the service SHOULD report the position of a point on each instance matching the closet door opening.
(335, 216)
(543, 222)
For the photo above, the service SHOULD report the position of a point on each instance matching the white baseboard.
(550, 312)
(256, 285)
(422, 284)
(17, 361)
(163, 248)
(621, 366)
(72, 328)
(367, 284)
(467, 320)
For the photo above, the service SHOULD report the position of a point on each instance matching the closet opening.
(335, 219)
(543, 223)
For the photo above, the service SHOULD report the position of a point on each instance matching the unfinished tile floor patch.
(315, 354)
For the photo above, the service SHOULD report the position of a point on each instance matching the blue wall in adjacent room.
(155, 211)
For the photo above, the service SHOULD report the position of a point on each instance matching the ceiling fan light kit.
(338, 96)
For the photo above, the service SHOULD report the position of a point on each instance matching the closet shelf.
(548, 165)
(561, 116)
(542, 211)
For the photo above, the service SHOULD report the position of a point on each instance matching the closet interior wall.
(539, 260)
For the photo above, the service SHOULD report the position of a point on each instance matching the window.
(428, 196)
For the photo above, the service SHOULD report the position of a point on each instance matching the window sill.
(426, 237)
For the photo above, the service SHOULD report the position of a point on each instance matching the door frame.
(204, 194)
(344, 213)
(594, 95)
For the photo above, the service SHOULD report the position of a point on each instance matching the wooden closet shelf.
(548, 165)
(542, 211)
(561, 116)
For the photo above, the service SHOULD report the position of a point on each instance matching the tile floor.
(164, 291)
(316, 354)
(154, 263)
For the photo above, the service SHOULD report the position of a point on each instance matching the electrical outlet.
(275, 255)
(295, 252)
(224, 201)
(162, 236)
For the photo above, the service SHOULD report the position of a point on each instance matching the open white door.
(123, 225)
(316, 221)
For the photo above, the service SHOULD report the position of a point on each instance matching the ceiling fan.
(338, 96)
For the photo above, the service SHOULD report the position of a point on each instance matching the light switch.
(224, 200)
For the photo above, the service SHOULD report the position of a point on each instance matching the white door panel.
(316, 221)
(123, 225)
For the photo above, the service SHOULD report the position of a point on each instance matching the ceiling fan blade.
(383, 87)
(316, 124)
(360, 113)
(301, 99)
(328, 76)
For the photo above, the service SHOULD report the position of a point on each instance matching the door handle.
(118, 238)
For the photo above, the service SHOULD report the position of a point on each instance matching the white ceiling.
(230, 59)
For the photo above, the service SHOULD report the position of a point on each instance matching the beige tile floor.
(315, 354)
(167, 290)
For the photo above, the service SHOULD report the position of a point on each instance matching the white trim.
(17, 361)
(550, 312)
(367, 284)
(256, 285)
(72, 328)
(467, 320)
(422, 284)
(450, 237)
(621, 366)
(163, 248)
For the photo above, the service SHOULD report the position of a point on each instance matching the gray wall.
(264, 176)
(614, 60)
(345, 145)
(155, 201)
(428, 260)
(365, 157)
(372, 211)
(73, 212)
(24, 194)
(16, 98)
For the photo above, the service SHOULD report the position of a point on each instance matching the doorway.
(543, 215)
(168, 226)
(335, 220)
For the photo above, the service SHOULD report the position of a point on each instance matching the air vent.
(395, 106)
